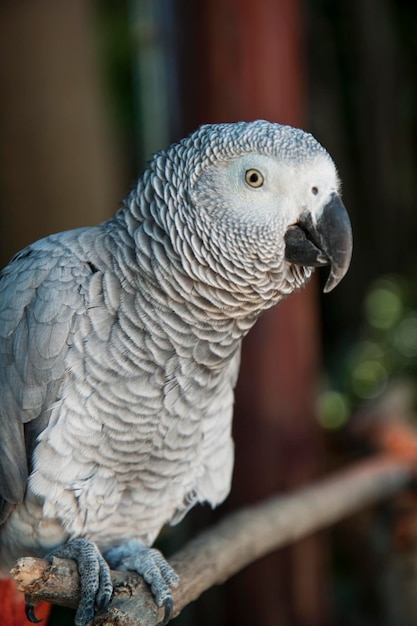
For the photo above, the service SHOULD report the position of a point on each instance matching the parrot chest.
(138, 452)
(141, 429)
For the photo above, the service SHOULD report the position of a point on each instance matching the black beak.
(328, 242)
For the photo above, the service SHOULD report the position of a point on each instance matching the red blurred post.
(254, 67)
(255, 60)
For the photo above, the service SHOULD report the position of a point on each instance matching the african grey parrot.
(120, 344)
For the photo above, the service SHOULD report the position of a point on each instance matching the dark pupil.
(253, 178)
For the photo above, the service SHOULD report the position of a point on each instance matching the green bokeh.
(383, 305)
(332, 410)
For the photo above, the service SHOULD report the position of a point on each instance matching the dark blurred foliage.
(362, 70)
(362, 105)
(115, 49)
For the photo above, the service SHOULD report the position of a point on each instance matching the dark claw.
(169, 608)
(102, 604)
(30, 613)
(103, 598)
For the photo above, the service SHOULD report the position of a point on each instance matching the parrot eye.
(254, 178)
(314, 190)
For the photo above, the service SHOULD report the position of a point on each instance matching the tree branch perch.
(218, 553)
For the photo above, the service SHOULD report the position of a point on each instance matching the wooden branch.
(220, 552)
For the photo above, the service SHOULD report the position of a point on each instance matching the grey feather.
(120, 343)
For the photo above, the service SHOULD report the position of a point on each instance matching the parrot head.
(262, 208)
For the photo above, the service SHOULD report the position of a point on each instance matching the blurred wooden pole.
(251, 58)
(57, 160)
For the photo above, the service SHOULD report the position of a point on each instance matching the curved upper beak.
(328, 241)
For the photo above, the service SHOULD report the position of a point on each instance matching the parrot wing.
(38, 300)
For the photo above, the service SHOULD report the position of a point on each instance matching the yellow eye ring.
(254, 178)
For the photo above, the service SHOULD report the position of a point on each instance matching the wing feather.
(40, 293)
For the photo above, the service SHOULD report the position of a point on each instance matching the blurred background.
(91, 88)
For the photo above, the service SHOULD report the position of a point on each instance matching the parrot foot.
(95, 582)
(152, 566)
